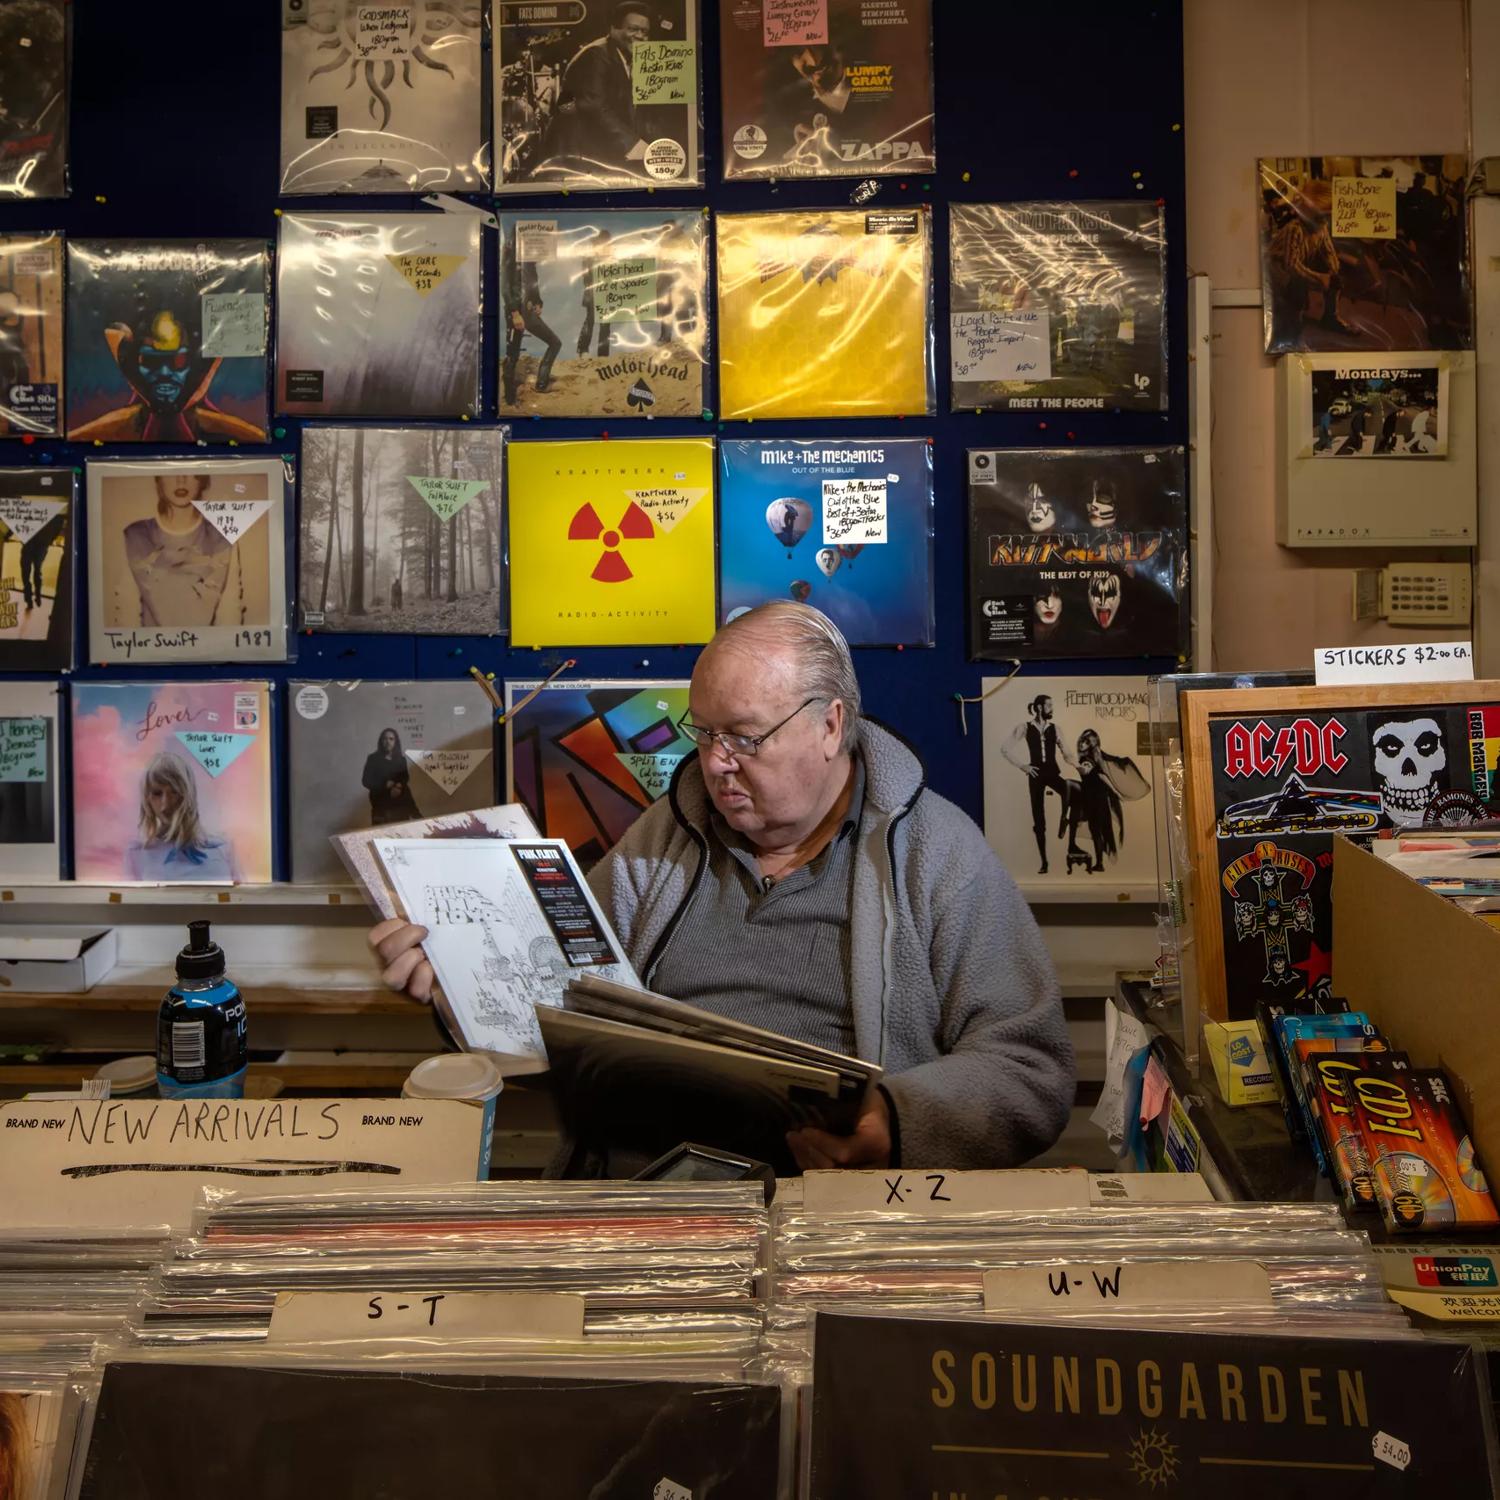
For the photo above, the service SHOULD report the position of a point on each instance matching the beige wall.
(1291, 78)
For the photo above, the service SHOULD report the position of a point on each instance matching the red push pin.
(28, 438)
(1041, 426)
(1072, 171)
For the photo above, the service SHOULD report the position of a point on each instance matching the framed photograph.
(1274, 773)
(187, 559)
(1359, 406)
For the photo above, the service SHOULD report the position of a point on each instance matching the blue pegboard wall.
(175, 121)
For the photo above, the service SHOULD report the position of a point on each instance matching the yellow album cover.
(826, 314)
(612, 543)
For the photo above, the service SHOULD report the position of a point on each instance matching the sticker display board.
(842, 524)
(37, 562)
(1364, 252)
(378, 315)
(1076, 552)
(591, 97)
(912, 1406)
(1058, 306)
(172, 782)
(1068, 780)
(363, 754)
(586, 759)
(603, 314)
(615, 545)
(382, 98)
(167, 341)
(187, 560)
(1273, 774)
(826, 88)
(401, 529)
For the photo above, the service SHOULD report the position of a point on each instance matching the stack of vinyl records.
(666, 1271)
(1322, 1277)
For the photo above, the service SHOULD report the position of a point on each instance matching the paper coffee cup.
(472, 1076)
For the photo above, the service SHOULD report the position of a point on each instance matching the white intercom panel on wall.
(1376, 450)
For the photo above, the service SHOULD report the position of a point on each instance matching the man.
(1303, 259)
(1033, 747)
(595, 119)
(521, 292)
(800, 875)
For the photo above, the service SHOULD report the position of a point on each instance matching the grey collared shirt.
(774, 954)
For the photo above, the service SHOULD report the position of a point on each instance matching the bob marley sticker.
(1076, 552)
(167, 341)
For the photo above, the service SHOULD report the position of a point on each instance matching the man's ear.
(833, 728)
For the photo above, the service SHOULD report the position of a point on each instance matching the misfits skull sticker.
(1409, 757)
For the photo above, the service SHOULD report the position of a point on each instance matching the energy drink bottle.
(201, 1046)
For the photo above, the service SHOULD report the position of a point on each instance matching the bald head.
(802, 648)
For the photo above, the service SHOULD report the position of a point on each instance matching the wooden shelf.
(267, 897)
(376, 1081)
(281, 1000)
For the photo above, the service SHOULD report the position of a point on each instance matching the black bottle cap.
(202, 958)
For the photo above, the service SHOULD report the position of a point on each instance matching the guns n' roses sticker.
(1076, 552)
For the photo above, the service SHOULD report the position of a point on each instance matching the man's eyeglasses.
(736, 745)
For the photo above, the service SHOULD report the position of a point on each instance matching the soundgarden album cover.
(187, 559)
(377, 315)
(826, 88)
(31, 334)
(586, 759)
(364, 754)
(1076, 552)
(172, 782)
(596, 95)
(381, 98)
(603, 314)
(844, 525)
(36, 569)
(1364, 252)
(167, 340)
(34, 88)
(825, 314)
(1058, 306)
(401, 529)
(29, 781)
(614, 545)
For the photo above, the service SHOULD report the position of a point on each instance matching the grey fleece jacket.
(954, 993)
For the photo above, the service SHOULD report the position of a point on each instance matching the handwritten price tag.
(624, 289)
(1364, 208)
(339, 1317)
(662, 72)
(1166, 1283)
(1390, 1450)
(854, 511)
(796, 23)
(425, 271)
(934, 1195)
(1434, 661)
(1002, 346)
(23, 750)
(382, 31)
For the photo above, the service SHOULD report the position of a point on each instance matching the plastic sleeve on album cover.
(39, 534)
(188, 559)
(604, 313)
(36, 81)
(582, 104)
(31, 340)
(382, 99)
(786, 278)
(1058, 306)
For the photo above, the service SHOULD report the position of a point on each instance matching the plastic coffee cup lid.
(454, 1075)
(128, 1075)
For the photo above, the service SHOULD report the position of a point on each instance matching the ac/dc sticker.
(1270, 889)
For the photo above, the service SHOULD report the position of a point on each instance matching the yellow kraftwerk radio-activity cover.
(825, 314)
(612, 543)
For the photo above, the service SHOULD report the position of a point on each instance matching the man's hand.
(518, 322)
(868, 1146)
(404, 967)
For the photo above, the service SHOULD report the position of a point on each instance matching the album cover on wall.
(603, 313)
(402, 529)
(586, 759)
(1067, 780)
(36, 569)
(1364, 252)
(1376, 407)
(1058, 305)
(825, 314)
(596, 96)
(614, 545)
(833, 88)
(187, 559)
(172, 782)
(31, 333)
(366, 754)
(30, 783)
(1076, 552)
(842, 524)
(377, 315)
(382, 98)
(167, 340)
(34, 85)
